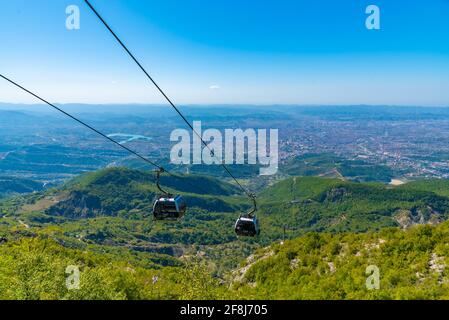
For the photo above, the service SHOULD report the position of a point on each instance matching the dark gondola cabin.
(169, 208)
(247, 226)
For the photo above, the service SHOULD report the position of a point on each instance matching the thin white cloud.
(214, 87)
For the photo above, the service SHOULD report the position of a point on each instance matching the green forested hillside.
(318, 204)
(440, 187)
(106, 215)
(35, 268)
(412, 265)
(119, 192)
(111, 210)
(113, 206)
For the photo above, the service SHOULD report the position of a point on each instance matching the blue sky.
(229, 51)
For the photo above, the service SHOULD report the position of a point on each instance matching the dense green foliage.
(440, 187)
(102, 222)
(35, 268)
(412, 265)
(317, 204)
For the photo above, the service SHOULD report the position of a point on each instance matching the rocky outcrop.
(77, 205)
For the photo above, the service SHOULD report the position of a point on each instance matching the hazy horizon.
(216, 105)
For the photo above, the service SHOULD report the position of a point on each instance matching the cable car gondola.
(247, 225)
(168, 206)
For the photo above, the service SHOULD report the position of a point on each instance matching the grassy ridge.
(121, 192)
